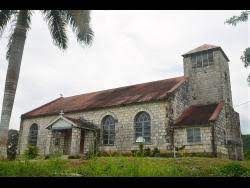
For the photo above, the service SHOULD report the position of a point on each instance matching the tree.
(57, 21)
(243, 17)
(12, 144)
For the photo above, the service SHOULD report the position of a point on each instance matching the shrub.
(141, 150)
(233, 169)
(134, 152)
(31, 152)
(156, 152)
(74, 157)
(247, 155)
(147, 152)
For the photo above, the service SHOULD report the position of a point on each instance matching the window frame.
(33, 135)
(142, 125)
(193, 136)
(194, 59)
(108, 131)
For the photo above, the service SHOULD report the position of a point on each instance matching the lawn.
(127, 166)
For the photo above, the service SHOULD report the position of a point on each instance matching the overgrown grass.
(127, 166)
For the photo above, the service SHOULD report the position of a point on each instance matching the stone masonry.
(201, 86)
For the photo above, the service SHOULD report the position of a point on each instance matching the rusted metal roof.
(205, 47)
(83, 123)
(151, 91)
(200, 114)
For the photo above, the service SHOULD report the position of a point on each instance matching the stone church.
(194, 111)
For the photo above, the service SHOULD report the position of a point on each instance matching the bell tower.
(207, 70)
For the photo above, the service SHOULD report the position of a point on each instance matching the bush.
(156, 152)
(141, 150)
(31, 152)
(74, 157)
(233, 170)
(247, 155)
(134, 152)
(147, 152)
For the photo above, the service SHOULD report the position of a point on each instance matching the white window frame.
(193, 136)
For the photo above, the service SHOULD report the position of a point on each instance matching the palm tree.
(57, 21)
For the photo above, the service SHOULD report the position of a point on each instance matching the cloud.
(129, 47)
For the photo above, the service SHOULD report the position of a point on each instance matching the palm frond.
(57, 25)
(80, 23)
(22, 21)
(5, 17)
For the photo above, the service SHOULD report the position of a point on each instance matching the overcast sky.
(129, 47)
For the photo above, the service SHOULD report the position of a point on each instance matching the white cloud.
(129, 47)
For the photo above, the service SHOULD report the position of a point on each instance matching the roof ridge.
(126, 86)
(217, 111)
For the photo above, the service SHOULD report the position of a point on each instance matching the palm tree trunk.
(15, 58)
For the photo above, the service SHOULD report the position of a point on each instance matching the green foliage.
(147, 152)
(12, 144)
(141, 150)
(74, 157)
(156, 152)
(247, 155)
(233, 170)
(126, 167)
(243, 17)
(31, 152)
(246, 142)
(93, 151)
(32, 168)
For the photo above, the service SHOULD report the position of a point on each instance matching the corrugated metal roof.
(145, 92)
(200, 114)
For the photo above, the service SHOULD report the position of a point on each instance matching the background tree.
(57, 21)
(12, 144)
(243, 17)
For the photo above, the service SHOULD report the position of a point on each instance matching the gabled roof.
(205, 47)
(145, 92)
(200, 114)
(80, 122)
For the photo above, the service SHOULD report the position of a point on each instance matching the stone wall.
(220, 135)
(180, 139)
(208, 84)
(234, 139)
(125, 123)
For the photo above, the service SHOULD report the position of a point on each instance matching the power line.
(242, 104)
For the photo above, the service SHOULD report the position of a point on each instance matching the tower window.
(199, 61)
(202, 60)
(210, 58)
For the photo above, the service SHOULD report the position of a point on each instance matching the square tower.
(207, 70)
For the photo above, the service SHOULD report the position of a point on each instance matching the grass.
(127, 167)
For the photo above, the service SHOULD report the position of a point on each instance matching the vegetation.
(31, 152)
(126, 166)
(12, 144)
(57, 21)
(246, 146)
(246, 142)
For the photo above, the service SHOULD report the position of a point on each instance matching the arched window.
(33, 135)
(142, 126)
(108, 127)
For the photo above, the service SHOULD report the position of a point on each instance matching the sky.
(129, 47)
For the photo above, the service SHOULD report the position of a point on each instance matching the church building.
(194, 111)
